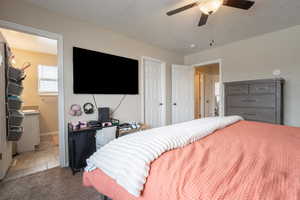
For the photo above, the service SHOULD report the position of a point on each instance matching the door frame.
(61, 114)
(202, 104)
(163, 88)
(218, 61)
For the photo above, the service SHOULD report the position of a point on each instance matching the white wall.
(85, 35)
(256, 58)
(89, 36)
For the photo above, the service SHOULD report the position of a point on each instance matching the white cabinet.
(31, 134)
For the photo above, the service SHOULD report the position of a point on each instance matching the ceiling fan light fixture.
(209, 7)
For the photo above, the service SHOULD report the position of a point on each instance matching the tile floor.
(45, 157)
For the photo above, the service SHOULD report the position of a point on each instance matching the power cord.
(117, 107)
(95, 101)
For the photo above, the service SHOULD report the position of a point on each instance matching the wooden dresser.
(255, 100)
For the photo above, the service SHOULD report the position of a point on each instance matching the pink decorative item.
(75, 110)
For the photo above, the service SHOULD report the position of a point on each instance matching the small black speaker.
(103, 114)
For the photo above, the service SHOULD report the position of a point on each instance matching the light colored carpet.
(54, 184)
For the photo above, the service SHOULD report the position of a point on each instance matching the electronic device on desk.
(104, 119)
(125, 126)
(94, 123)
(128, 128)
(103, 114)
(115, 122)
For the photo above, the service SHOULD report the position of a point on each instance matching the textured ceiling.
(29, 42)
(146, 20)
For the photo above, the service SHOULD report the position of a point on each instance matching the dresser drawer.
(254, 114)
(256, 100)
(262, 88)
(238, 89)
(267, 100)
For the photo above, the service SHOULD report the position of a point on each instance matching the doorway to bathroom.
(38, 147)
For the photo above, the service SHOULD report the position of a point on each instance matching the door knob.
(175, 104)
(161, 104)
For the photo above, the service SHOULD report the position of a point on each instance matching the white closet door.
(154, 93)
(182, 93)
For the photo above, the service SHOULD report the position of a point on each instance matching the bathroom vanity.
(31, 134)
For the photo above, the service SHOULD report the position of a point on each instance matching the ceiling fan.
(208, 7)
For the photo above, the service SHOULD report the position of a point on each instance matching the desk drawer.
(267, 101)
(262, 88)
(254, 114)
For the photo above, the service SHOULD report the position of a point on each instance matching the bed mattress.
(247, 160)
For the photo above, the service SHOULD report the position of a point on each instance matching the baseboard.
(49, 133)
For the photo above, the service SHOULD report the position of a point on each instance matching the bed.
(246, 160)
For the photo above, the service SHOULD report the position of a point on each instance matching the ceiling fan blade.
(173, 12)
(241, 4)
(203, 19)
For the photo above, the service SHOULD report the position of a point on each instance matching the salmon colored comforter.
(245, 161)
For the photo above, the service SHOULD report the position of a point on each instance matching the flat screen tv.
(100, 73)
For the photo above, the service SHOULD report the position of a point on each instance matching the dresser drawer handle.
(250, 114)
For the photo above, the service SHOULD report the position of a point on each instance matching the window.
(47, 79)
